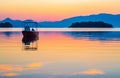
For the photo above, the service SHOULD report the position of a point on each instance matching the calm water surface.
(61, 55)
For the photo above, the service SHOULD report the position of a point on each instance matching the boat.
(30, 37)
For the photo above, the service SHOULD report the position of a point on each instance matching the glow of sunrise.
(52, 10)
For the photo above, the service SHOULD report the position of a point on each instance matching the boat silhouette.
(30, 38)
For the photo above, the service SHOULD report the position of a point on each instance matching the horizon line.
(62, 29)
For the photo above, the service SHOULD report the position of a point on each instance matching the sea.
(60, 53)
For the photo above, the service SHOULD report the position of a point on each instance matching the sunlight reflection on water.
(63, 54)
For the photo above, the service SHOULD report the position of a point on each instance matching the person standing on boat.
(33, 30)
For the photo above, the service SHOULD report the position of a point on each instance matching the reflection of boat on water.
(30, 38)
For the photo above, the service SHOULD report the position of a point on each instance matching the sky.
(53, 10)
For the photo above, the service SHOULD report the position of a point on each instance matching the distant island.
(91, 24)
(113, 19)
(5, 25)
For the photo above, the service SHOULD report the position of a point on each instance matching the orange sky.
(41, 10)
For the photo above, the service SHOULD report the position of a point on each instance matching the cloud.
(15, 70)
(90, 72)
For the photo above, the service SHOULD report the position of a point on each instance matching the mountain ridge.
(113, 19)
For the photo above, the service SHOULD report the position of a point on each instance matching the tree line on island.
(91, 24)
(5, 25)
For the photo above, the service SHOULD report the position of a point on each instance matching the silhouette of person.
(33, 29)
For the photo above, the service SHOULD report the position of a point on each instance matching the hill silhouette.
(107, 18)
(5, 25)
(91, 24)
(15, 23)
(65, 23)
